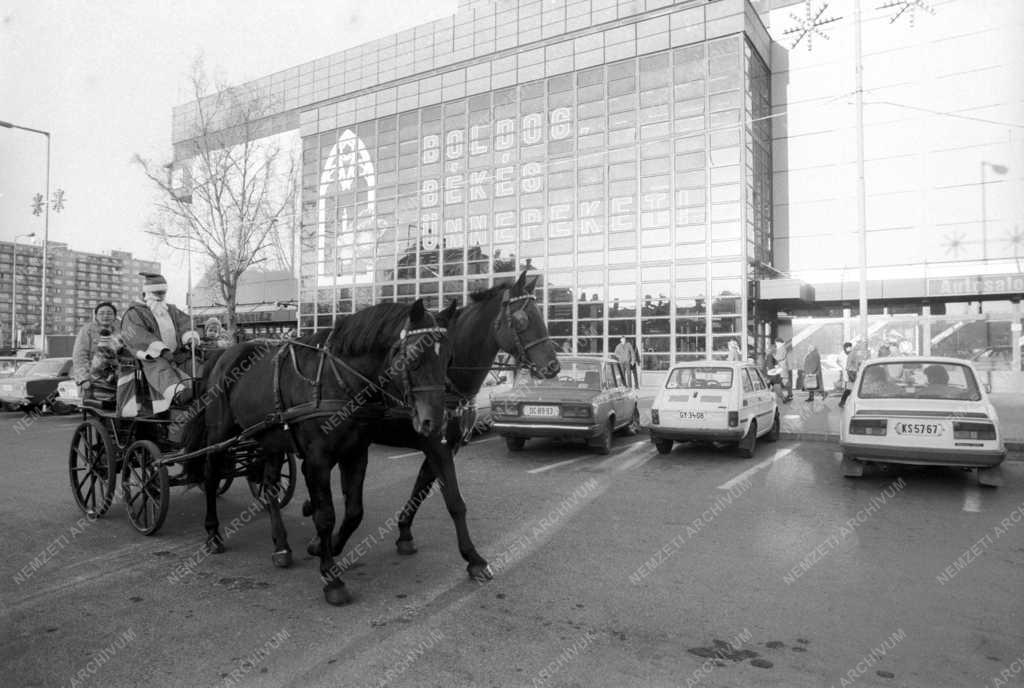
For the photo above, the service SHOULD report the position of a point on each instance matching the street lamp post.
(46, 227)
(862, 225)
(998, 169)
(14, 288)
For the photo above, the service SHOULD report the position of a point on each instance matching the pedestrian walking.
(781, 354)
(812, 374)
(853, 359)
(734, 353)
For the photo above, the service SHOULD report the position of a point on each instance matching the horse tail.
(193, 434)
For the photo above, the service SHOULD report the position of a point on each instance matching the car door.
(611, 384)
(765, 397)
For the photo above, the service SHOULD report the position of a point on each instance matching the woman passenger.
(95, 353)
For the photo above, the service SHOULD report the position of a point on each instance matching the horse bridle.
(400, 352)
(516, 321)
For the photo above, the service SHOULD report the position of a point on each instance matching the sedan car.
(495, 382)
(9, 365)
(35, 387)
(921, 411)
(590, 399)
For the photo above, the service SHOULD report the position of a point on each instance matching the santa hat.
(154, 282)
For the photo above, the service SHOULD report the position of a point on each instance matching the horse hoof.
(406, 547)
(313, 548)
(307, 508)
(215, 546)
(337, 595)
(283, 559)
(480, 572)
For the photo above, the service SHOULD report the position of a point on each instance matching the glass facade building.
(639, 189)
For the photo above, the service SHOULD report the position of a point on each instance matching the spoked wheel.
(92, 468)
(286, 484)
(145, 486)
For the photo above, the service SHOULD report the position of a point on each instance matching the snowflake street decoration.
(1015, 239)
(955, 244)
(906, 6)
(809, 25)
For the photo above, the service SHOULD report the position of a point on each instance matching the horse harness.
(320, 407)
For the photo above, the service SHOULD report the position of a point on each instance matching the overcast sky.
(103, 75)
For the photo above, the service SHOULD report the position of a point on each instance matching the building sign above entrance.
(977, 285)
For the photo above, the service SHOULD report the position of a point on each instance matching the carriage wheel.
(145, 486)
(287, 482)
(92, 468)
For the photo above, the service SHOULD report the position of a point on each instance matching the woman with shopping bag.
(812, 374)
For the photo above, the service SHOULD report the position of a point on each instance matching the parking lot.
(692, 568)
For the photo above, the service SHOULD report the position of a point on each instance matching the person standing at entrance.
(781, 355)
(734, 353)
(627, 358)
(812, 374)
(853, 360)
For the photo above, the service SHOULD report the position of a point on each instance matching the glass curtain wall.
(639, 190)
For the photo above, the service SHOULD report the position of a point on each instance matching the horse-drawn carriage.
(314, 396)
(143, 450)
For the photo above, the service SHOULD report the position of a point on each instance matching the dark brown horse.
(506, 318)
(321, 401)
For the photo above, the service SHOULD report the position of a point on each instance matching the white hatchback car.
(921, 411)
(714, 401)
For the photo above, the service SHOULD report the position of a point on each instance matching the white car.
(921, 411)
(714, 401)
(68, 398)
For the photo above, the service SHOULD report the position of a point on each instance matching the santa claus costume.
(153, 330)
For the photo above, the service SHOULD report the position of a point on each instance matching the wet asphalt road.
(696, 568)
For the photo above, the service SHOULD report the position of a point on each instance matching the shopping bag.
(811, 381)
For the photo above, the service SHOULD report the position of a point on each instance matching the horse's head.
(521, 331)
(419, 364)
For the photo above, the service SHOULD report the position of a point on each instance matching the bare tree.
(238, 206)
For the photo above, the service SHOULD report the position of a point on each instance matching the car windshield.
(919, 380)
(703, 377)
(48, 368)
(24, 370)
(573, 375)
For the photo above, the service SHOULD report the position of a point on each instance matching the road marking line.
(639, 460)
(487, 439)
(406, 455)
(972, 499)
(614, 458)
(742, 477)
(554, 465)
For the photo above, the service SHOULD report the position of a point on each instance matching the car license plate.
(542, 411)
(691, 415)
(919, 429)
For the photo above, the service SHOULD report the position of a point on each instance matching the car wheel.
(851, 467)
(634, 424)
(603, 443)
(514, 444)
(663, 446)
(773, 434)
(748, 444)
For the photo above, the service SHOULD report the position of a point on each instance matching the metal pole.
(984, 223)
(188, 294)
(861, 201)
(46, 240)
(14, 297)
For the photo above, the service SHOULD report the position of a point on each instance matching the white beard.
(168, 335)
